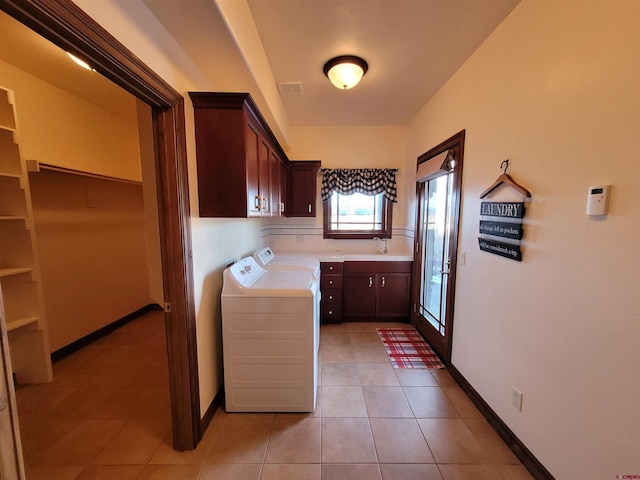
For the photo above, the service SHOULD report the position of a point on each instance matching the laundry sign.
(500, 248)
(501, 229)
(502, 237)
(502, 209)
(494, 231)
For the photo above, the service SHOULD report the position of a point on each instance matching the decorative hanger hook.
(506, 165)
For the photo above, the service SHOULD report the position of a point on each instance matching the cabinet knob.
(309, 208)
(383, 281)
(330, 282)
(370, 282)
(330, 268)
(330, 312)
(330, 297)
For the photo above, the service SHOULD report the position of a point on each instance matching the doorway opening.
(68, 27)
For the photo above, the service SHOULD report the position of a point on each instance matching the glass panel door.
(436, 259)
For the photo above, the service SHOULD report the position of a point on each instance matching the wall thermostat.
(598, 200)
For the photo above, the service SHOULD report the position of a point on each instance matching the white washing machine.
(268, 260)
(270, 335)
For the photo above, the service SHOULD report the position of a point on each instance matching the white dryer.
(268, 260)
(270, 334)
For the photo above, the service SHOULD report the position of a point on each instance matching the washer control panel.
(246, 272)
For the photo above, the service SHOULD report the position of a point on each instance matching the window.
(358, 202)
(357, 216)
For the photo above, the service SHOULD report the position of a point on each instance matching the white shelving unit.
(19, 272)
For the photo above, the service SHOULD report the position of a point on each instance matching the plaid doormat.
(407, 348)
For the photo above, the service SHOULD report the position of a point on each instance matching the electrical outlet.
(516, 399)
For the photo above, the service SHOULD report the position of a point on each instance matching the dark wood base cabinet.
(331, 292)
(376, 291)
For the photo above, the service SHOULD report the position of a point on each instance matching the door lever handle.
(446, 267)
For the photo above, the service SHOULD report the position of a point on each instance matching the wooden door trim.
(69, 27)
(456, 142)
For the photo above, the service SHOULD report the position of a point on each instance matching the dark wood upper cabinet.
(302, 190)
(242, 169)
(236, 151)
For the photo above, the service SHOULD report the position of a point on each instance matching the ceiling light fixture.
(80, 62)
(345, 71)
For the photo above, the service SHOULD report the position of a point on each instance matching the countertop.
(351, 255)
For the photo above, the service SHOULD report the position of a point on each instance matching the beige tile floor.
(106, 416)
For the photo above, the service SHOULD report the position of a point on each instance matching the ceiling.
(412, 47)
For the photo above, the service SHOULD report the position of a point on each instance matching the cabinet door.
(274, 184)
(393, 295)
(264, 170)
(283, 189)
(252, 159)
(302, 190)
(358, 295)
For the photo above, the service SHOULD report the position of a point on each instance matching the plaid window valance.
(369, 181)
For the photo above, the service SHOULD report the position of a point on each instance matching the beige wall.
(356, 147)
(91, 242)
(555, 90)
(60, 129)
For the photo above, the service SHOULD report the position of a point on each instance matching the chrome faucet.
(385, 250)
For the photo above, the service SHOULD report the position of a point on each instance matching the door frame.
(67, 26)
(455, 143)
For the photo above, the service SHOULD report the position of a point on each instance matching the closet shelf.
(21, 291)
(8, 272)
(35, 166)
(21, 322)
(10, 175)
